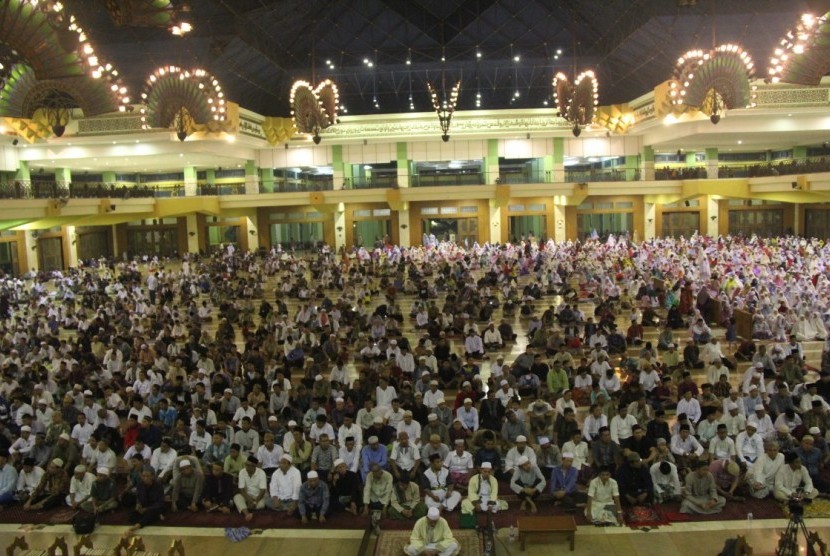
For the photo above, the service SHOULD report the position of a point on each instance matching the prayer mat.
(819, 507)
(392, 543)
(637, 517)
(62, 516)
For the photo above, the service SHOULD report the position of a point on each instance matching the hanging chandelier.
(576, 102)
(444, 108)
(179, 98)
(314, 109)
(714, 81)
(803, 55)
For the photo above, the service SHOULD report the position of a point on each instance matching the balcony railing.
(39, 189)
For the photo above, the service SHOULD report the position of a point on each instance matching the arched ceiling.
(258, 48)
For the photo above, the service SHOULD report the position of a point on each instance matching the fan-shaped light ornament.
(715, 80)
(444, 108)
(51, 41)
(177, 97)
(314, 109)
(803, 55)
(577, 102)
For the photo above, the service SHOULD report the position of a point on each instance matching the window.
(382, 212)
(624, 205)
(515, 208)
(429, 210)
(362, 213)
(469, 210)
(536, 207)
(449, 210)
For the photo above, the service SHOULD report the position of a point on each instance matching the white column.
(650, 225)
(712, 223)
(253, 238)
(73, 246)
(251, 184)
(31, 251)
(192, 233)
(495, 223)
(340, 229)
(404, 233)
(559, 222)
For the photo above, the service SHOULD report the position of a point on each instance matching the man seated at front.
(253, 489)
(439, 490)
(701, 493)
(666, 481)
(406, 500)
(284, 487)
(603, 507)
(187, 487)
(528, 483)
(563, 484)
(792, 476)
(634, 481)
(219, 489)
(314, 499)
(482, 491)
(377, 492)
(432, 536)
(761, 476)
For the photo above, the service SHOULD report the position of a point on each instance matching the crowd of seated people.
(784, 168)
(385, 389)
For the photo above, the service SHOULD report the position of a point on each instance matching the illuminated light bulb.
(93, 60)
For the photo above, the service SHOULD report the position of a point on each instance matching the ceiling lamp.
(313, 110)
(445, 108)
(179, 98)
(713, 81)
(576, 102)
(803, 55)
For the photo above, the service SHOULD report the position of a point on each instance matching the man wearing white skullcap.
(482, 491)
(432, 535)
(314, 499)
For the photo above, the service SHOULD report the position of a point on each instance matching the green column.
(63, 175)
(712, 163)
(23, 173)
(546, 168)
(558, 173)
(251, 178)
(337, 170)
(190, 187)
(491, 161)
(647, 163)
(631, 167)
(266, 178)
(799, 153)
(403, 164)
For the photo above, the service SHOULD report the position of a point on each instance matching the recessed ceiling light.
(115, 142)
(740, 142)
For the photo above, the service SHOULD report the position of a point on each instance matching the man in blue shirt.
(373, 452)
(563, 485)
(8, 480)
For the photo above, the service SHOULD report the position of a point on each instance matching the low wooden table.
(529, 525)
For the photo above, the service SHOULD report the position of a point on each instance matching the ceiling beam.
(441, 31)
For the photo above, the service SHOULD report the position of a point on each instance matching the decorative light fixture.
(715, 80)
(576, 102)
(444, 108)
(802, 55)
(177, 97)
(313, 110)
